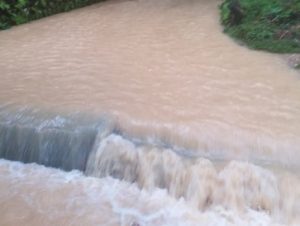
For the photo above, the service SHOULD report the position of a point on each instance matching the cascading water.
(159, 118)
(100, 149)
(55, 141)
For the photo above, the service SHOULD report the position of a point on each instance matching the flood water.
(169, 121)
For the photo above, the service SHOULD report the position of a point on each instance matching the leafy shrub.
(272, 25)
(14, 12)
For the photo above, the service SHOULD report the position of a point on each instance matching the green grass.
(272, 25)
(14, 12)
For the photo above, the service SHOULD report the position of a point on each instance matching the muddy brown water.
(208, 131)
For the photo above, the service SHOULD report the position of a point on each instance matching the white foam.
(35, 195)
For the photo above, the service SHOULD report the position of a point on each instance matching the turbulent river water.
(151, 115)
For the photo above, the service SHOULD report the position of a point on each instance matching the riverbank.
(22, 11)
(273, 25)
(207, 130)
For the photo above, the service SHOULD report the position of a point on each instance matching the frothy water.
(206, 190)
(45, 196)
(169, 121)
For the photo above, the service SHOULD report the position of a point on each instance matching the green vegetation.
(272, 25)
(14, 12)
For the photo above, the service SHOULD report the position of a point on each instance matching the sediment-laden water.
(168, 121)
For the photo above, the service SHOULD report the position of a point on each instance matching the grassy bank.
(14, 12)
(272, 25)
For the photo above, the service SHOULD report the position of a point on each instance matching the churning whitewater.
(73, 199)
(143, 113)
(142, 182)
